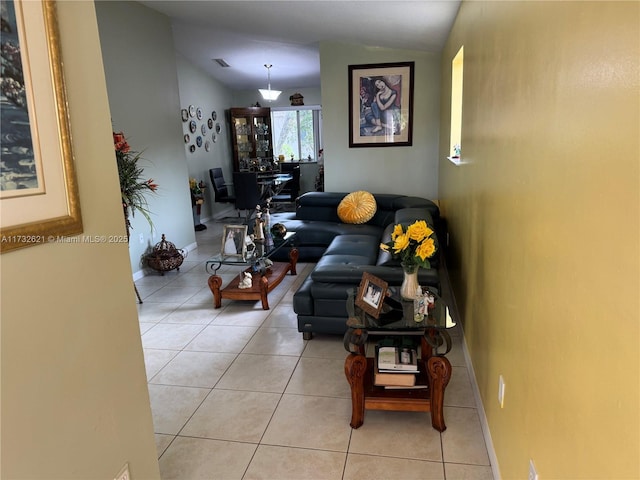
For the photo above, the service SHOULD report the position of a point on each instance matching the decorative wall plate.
(214, 115)
(192, 148)
(186, 138)
(184, 114)
(199, 141)
(214, 137)
(207, 145)
(203, 129)
(199, 113)
(210, 123)
(192, 126)
(218, 128)
(192, 110)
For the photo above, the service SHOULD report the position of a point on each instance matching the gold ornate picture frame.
(39, 198)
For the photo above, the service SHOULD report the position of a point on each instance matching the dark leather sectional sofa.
(344, 251)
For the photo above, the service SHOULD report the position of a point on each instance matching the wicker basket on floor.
(165, 256)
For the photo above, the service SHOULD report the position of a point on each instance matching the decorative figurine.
(257, 228)
(457, 150)
(296, 99)
(246, 282)
(267, 228)
(430, 300)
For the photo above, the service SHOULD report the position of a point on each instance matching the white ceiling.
(286, 34)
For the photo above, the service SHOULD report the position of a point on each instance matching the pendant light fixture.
(267, 93)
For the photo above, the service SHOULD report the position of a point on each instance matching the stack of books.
(396, 367)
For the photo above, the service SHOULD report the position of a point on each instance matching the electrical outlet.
(501, 391)
(124, 473)
(142, 238)
(533, 475)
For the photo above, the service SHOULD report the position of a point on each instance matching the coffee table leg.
(215, 282)
(439, 371)
(355, 367)
(264, 290)
(293, 260)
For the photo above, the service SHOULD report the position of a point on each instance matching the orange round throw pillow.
(357, 207)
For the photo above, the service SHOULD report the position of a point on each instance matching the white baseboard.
(191, 246)
(481, 413)
(139, 274)
(476, 391)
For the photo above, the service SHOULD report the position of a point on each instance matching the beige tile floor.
(236, 393)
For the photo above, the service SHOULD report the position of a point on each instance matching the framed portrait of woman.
(381, 105)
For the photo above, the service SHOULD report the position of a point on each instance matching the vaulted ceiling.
(286, 34)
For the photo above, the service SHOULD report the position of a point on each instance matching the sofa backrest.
(319, 206)
(323, 206)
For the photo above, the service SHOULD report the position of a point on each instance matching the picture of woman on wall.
(383, 107)
(379, 108)
(381, 104)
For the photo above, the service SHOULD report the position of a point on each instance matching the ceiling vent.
(221, 62)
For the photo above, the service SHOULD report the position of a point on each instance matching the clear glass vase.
(410, 282)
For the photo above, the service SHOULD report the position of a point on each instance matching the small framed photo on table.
(233, 242)
(371, 294)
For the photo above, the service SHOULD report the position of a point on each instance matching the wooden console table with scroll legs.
(434, 371)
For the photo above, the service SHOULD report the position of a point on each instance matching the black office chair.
(291, 190)
(220, 190)
(247, 191)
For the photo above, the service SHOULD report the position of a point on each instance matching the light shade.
(269, 94)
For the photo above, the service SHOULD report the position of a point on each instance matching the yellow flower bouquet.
(412, 247)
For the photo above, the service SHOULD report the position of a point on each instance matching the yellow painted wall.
(74, 394)
(544, 220)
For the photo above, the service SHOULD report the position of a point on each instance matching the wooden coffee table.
(261, 284)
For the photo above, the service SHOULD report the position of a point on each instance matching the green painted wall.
(142, 82)
(544, 220)
(410, 170)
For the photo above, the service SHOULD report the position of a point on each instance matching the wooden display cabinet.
(250, 137)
